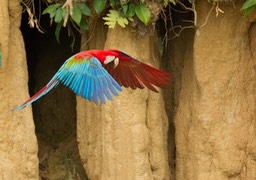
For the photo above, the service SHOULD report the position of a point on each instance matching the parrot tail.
(53, 83)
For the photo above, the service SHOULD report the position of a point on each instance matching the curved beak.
(116, 62)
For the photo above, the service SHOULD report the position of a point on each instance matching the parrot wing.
(132, 73)
(86, 77)
(53, 83)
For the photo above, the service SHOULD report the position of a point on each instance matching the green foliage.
(248, 6)
(99, 5)
(58, 14)
(52, 9)
(121, 12)
(77, 15)
(114, 17)
(166, 2)
(57, 31)
(124, 11)
(85, 10)
(143, 13)
(131, 10)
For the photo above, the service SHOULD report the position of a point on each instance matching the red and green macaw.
(96, 74)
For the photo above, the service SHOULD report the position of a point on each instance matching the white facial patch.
(109, 59)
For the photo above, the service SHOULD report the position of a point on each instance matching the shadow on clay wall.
(55, 114)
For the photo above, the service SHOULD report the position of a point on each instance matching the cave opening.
(55, 113)
(176, 29)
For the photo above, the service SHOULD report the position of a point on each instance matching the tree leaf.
(113, 14)
(52, 14)
(58, 16)
(131, 10)
(248, 3)
(111, 24)
(77, 15)
(124, 2)
(248, 10)
(125, 8)
(111, 18)
(122, 21)
(51, 8)
(57, 31)
(99, 5)
(114, 17)
(143, 13)
(84, 25)
(84, 9)
(64, 11)
(166, 2)
(114, 3)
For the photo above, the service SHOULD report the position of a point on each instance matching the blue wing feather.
(52, 84)
(112, 88)
(105, 89)
(91, 89)
(83, 87)
(87, 78)
(86, 87)
(96, 91)
(101, 93)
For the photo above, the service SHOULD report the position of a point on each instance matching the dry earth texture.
(202, 127)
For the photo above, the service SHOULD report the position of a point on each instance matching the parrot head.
(106, 57)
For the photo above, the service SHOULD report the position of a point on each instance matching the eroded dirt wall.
(178, 55)
(18, 146)
(215, 118)
(127, 137)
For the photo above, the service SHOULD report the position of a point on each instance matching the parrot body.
(97, 74)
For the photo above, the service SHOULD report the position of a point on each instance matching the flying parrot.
(97, 74)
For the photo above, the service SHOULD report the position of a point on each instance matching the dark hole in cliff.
(176, 29)
(55, 113)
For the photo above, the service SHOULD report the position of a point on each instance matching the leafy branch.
(76, 13)
(122, 13)
(248, 6)
(61, 14)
